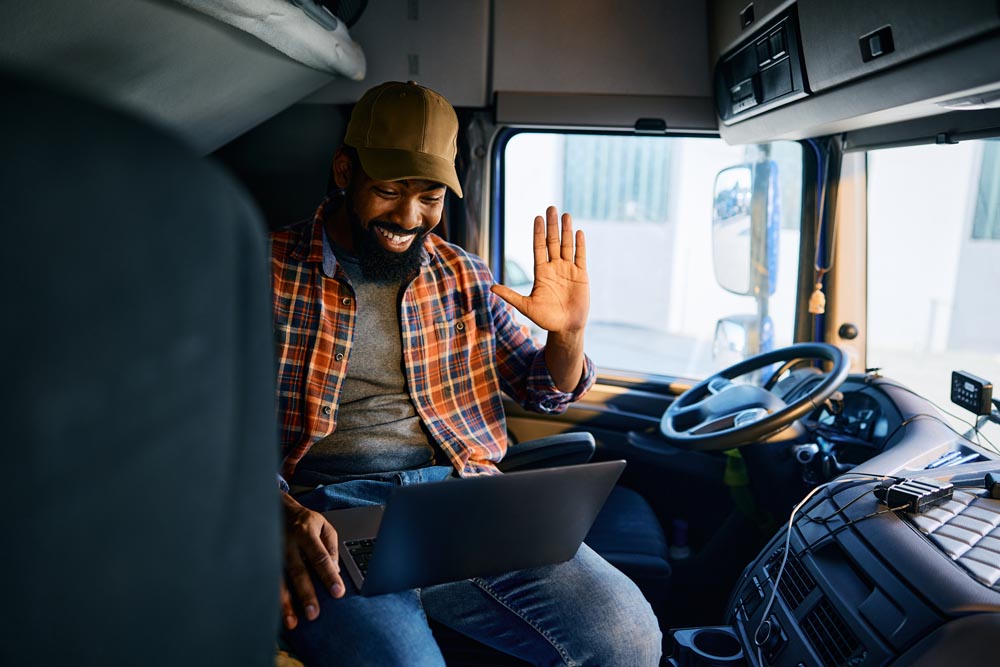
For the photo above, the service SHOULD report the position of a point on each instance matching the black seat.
(139, 500)
(629, 536)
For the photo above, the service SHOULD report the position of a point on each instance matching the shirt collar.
(310, 245)
(329, 258)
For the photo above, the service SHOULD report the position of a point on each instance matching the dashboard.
(873, 416)
(853, 581)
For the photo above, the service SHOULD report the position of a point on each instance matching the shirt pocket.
(462, 353)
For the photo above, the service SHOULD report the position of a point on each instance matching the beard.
(376, 262)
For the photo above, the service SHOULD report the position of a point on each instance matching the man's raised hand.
(560, 296)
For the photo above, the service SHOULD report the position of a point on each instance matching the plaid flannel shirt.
(460, 345)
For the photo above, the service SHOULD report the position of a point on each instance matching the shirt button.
(346, 301)
(327, 409)
(339, 356)
(460, 326)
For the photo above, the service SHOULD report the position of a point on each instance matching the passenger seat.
(140, 509)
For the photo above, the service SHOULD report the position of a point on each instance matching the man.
(393, 346)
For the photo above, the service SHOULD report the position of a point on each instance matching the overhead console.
(804, 68)
(762, 73)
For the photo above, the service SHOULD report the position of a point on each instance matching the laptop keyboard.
(361, 552)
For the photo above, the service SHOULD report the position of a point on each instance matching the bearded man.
(393, 347)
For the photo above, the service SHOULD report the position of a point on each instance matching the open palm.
(560, 296)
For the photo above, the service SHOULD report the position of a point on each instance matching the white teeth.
(395, 238)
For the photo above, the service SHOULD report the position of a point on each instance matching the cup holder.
(707, 647)
(717, 643)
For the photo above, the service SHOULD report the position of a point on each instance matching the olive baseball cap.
(403, 130)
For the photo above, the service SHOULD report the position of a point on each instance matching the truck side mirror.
(738, 337)
(746, 217)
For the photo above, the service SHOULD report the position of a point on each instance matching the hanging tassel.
(817, 302)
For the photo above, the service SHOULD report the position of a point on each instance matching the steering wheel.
(719, 414)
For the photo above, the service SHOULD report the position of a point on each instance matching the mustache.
(393, 228)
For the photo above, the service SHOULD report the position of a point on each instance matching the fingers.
(322, 557)
(552, 232)
(566, 246)
(538, 244)
(310, 548)
(553, 241)
(333, 581)
(510, 296)
(581, 250)
(287, 610)
(298, 579)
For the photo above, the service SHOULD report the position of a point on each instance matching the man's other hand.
(310, 544)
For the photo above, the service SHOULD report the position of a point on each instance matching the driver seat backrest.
(140, 508)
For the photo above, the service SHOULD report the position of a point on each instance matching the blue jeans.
(581, 612)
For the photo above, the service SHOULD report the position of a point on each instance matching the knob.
(848, 331)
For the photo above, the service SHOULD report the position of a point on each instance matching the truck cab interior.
(793, 215)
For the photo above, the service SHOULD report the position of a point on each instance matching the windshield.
(934, 267)
(646, 207)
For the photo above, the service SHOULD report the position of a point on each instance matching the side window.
(646, 207)
(934, 264)
(986, 217)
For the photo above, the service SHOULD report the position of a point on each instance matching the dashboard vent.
(830, 637)
(796, 583)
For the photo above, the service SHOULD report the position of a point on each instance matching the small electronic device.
(992, 483)
(973, 393)
(915, 495)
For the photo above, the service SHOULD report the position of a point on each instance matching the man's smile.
(396, 240)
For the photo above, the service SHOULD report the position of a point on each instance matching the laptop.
(437, 532)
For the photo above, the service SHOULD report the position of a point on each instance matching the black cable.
(950, 414)
(852, 522)
(825, 519)
(788, 545)
(788, 539)
(920, 396)
(903, 424)
(909, 420)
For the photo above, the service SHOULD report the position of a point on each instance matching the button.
(763, 52)
(327, 409)
(339, 356)
(460, 326)
(347, 301)
(875, 45)
(778, 43)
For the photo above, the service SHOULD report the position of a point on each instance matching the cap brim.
(394, 164)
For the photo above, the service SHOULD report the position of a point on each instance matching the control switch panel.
(973, 393)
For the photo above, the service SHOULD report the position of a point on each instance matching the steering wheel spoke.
(713, 425)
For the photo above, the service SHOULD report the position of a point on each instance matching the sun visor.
(290, 30)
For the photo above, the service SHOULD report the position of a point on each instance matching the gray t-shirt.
(378, 428)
